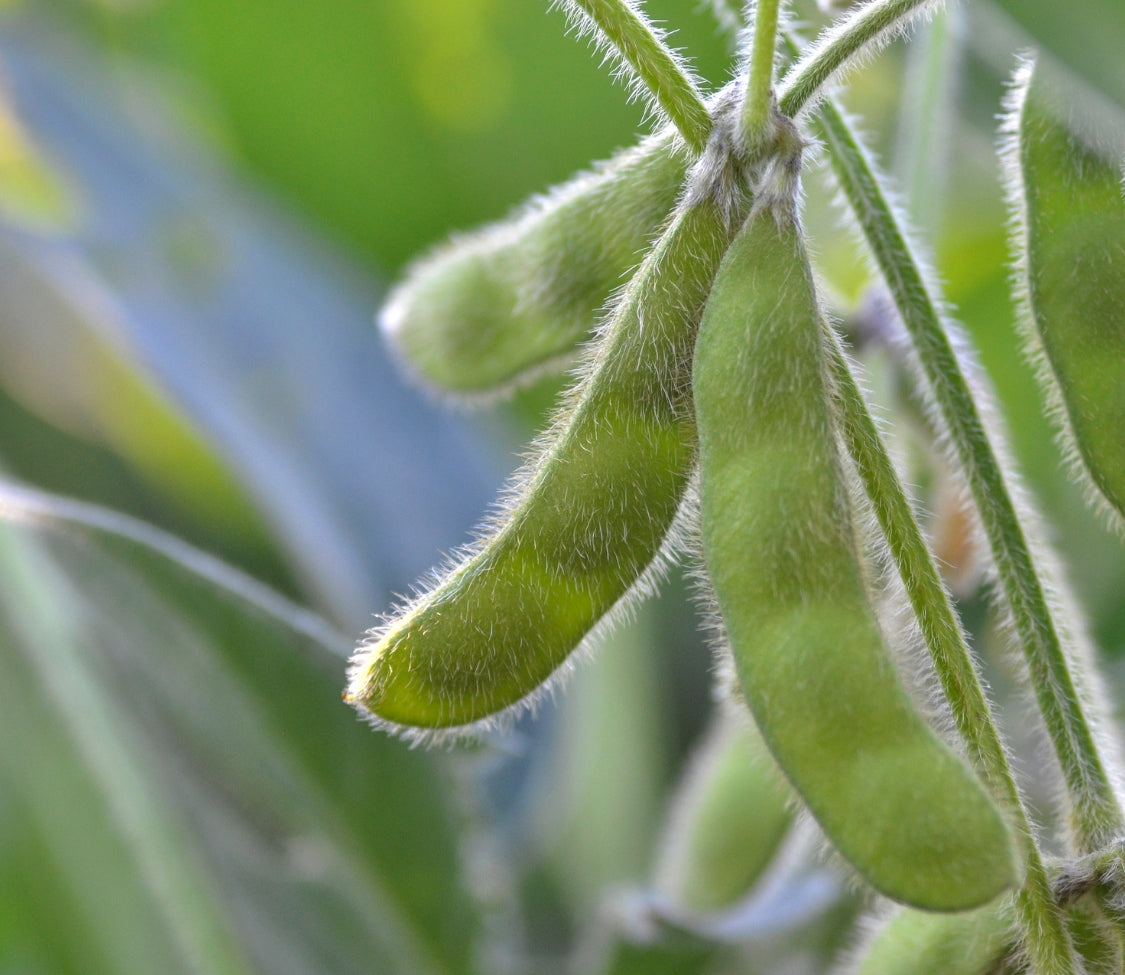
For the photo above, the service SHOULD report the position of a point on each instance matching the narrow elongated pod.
(500, 305)
(1069, 203)
(780, 549)
(585, 520)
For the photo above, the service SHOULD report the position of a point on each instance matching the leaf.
(260, 336)
(182, 735)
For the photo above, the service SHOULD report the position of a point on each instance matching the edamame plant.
(718, 415)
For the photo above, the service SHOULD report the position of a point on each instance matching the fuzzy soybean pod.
(498, 306)
(584, 521)
(780, 549)
(1070, 207)
(914, 942)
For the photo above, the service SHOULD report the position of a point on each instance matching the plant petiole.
(758, 106)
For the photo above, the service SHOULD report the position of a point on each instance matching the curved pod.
(500, 305)
(728, 817)
(1071, 207)
(780, 550)
(585, 521)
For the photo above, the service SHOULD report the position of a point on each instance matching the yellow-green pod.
(584, 521)
(1070, 206)
(499, 305)
(725, 822)
(780, 550)
(914, 942)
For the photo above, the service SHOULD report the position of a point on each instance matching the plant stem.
(874, 26)
(1040, 921)
(756, 109)
(627, 31)
(859, 35)
(1096, 813)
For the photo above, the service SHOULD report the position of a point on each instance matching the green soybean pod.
(729, 815)
(500, 305)
(911, 942)
(1097, 937)
(780, 550)
(1069, 202)
(584, 521)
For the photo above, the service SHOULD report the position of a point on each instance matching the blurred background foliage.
(200, 203)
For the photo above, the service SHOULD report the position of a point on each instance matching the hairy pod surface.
(726, 820)
(1071, 207)
(780, 549)
(499, 305)
(1097, 938)
(920, 943)
(584, 522)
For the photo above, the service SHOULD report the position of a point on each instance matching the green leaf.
(251, 336)
(181, 733)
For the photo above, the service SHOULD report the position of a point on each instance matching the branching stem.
(635, 41)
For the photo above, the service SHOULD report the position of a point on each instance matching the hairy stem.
(1041, 923)
(1097, 817)
(623, 28)
(756, 110)
(862, 34)
(633, 37)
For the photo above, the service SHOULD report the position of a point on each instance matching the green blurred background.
(200, 202)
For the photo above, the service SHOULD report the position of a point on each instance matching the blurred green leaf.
(681, 957)
(32, 192)
(183, 746)
(390, 123)
(259, 335)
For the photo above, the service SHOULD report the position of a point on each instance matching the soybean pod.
(586, 518)
(780, 550)
(726, 820)
(498, 306)
(1069, 201)
(911, 942)
(1097, 937)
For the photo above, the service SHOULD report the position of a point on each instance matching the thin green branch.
(628, 33)
(1041, 923)
(860, 35)
(623, 29)
(1097, 817)
(757, 108)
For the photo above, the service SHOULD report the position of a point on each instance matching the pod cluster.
(709, 363)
